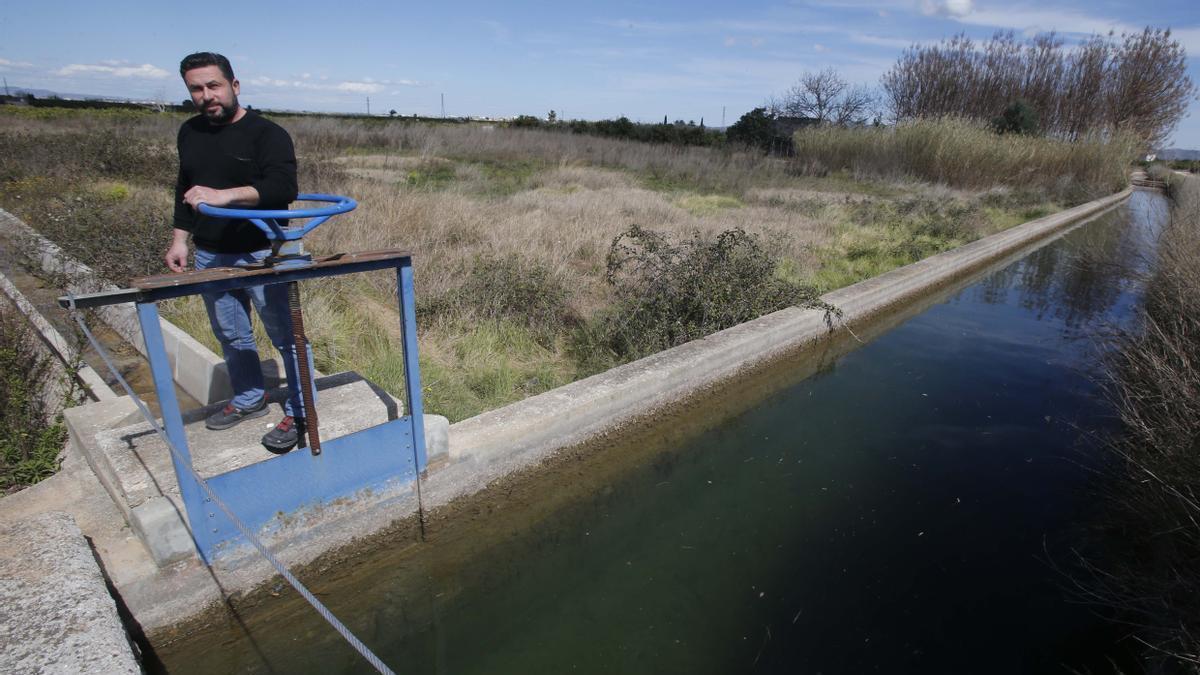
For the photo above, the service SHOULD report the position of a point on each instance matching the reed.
(967, 154)
(1151, 573)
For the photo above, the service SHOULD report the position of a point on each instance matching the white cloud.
(359, 87)
(952, 8)
(145, 70)
(365, 85)
(730, 41)
(866, 39)
(1028, 19)
(5, 64)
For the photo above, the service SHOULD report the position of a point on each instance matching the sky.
(688, 60)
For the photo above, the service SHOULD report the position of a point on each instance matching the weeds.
(31, 434)
(511, 289)
(133, 229)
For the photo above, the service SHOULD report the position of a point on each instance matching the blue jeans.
(229, 315)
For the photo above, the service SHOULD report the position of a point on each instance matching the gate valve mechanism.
(287, 253)
(287, 240)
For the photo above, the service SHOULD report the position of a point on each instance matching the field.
(540, 256)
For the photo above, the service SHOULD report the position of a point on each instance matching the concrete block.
(437, 436)
(161, 527)
(58, 615)
(194, 368)
(135, 466)
(85, 423)
(171, 347)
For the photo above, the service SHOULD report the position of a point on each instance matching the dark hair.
(202, 59)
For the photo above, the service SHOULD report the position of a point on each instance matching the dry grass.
(461, 196)
(1152, 572)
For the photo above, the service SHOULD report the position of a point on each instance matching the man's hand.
(199, 194)
(238, 196)
(177, 254)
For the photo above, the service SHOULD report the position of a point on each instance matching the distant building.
(786, 126)
(782, 130)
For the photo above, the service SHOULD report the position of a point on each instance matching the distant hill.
(46, 93)
(1178, 153)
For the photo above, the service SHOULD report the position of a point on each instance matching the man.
(232, 157)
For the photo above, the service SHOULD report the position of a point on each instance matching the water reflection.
(1085, 277)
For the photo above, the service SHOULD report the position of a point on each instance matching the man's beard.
(223, 115)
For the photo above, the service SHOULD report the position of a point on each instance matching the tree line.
(678, 132)
(1134, 83)
(1137, 83)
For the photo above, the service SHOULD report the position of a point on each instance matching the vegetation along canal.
(916, 506)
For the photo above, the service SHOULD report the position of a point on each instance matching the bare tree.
(1083, 86)
(826, 97)
(1150, 87)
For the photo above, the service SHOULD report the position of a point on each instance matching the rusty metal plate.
(221, 273)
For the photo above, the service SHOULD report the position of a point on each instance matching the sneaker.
(285, 435)
(230, 415)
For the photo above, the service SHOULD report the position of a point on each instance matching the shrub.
(755, 129)
(668, 294)
(1018, 118)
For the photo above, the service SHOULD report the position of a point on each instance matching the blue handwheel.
(267, 220)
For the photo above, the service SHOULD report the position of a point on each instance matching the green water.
(912, 507)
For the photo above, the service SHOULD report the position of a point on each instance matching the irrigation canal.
(913, 507)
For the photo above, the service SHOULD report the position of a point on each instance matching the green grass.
(862, 253)
(874, 237)
(490, 365)
(434, 177)
(508, 177)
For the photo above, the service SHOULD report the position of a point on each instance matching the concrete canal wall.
(164, 595)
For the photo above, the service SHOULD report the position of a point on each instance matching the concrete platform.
(59, 616)
(134, 464)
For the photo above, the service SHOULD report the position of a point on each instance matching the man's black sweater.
(251, 152)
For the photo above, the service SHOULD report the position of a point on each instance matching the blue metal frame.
(392, 452)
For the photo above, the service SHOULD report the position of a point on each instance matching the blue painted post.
(412, 369)
(164, 387)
